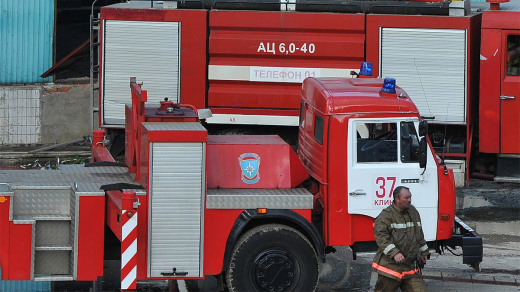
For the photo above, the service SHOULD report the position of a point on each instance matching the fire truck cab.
(359, 143)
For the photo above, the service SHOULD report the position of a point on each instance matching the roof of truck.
(354, 95)
(507, 17)
(511, 5)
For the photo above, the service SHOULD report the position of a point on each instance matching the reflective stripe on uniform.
(392, 272)
(388, 248)
(424, 248)
(404, 225)
(401, 225)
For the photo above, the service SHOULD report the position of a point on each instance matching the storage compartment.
(176, 191)
(164, 48)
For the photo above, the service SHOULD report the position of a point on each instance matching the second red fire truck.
(246, 61)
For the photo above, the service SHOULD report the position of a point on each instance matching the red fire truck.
(187, 204)
(246, 60)
(500, 88)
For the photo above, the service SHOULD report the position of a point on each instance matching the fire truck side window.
(376, 142)
(318, 129)
(513, 55)
(409, 143)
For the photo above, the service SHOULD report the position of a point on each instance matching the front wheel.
(273, 257)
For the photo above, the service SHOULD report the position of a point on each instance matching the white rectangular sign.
(282, 74)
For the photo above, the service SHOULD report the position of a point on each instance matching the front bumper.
(469, 240)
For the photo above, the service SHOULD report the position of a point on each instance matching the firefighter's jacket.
(398, 231)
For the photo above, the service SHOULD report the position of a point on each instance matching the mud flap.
(470, 241)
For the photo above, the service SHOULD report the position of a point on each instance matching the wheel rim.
(275, 269)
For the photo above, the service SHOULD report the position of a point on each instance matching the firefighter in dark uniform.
(401, 243)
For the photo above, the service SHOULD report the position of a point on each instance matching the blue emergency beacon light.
(366, 69)
(388, 85)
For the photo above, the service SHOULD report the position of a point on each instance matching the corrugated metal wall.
(18, 286)
(25, 286)
(27, 36)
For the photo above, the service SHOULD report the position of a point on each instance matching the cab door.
(510, 93)
(384, 154)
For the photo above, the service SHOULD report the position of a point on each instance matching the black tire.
(273, 257)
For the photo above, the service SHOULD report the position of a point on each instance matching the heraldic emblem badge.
(249, 164)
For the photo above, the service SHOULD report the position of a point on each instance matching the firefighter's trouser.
(413, 284)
